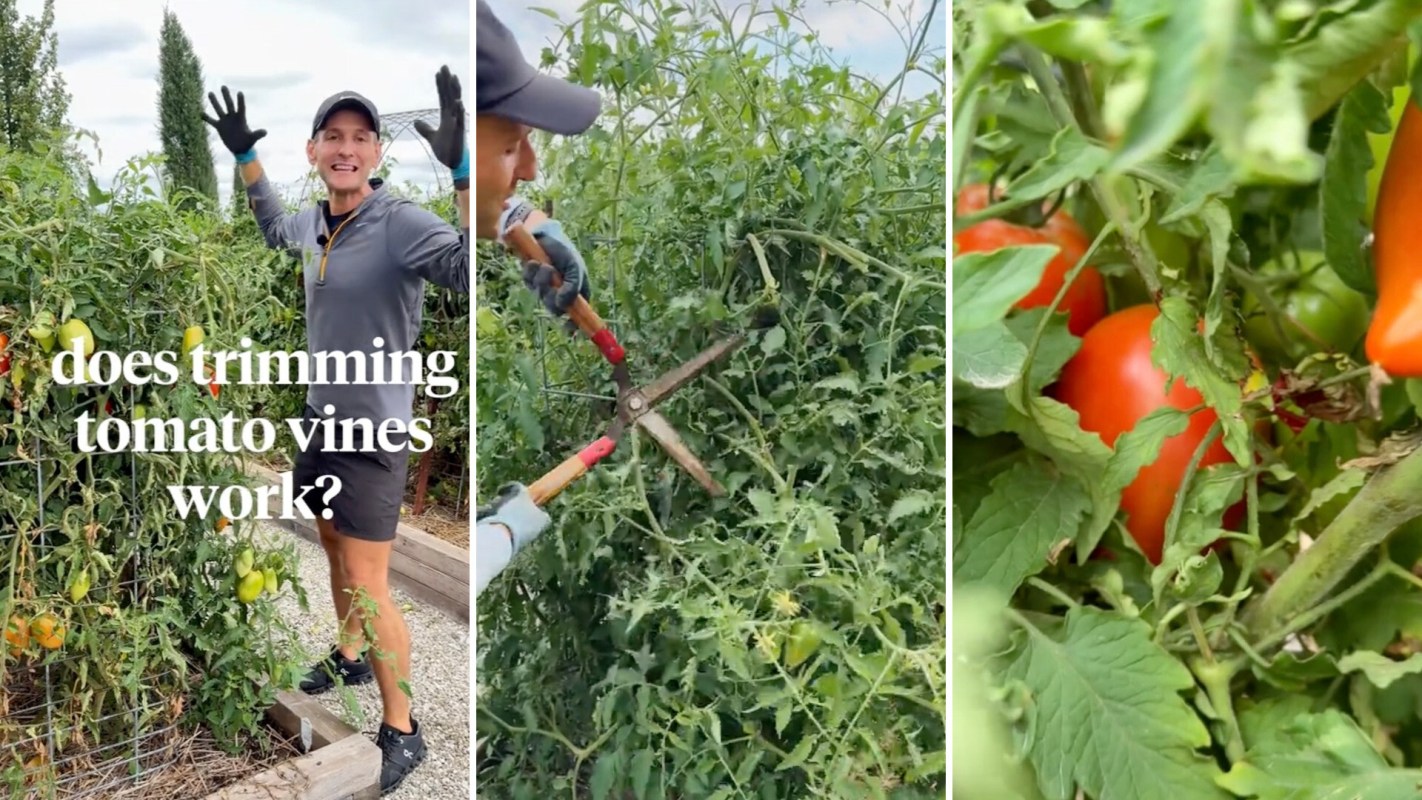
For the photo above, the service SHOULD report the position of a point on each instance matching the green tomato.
(1321, 313)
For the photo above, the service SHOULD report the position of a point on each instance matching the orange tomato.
(48, 632)
(1394, 340)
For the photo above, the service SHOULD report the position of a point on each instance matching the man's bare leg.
(367, 566)
(351, 636)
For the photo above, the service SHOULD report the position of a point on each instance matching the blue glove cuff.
(522, 517)
(247, 157)
(462, 171)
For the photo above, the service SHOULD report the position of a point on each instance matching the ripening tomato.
(1112, 383)
(1085, 300)
(4, 356)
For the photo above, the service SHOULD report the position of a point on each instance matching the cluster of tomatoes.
(1112, 382)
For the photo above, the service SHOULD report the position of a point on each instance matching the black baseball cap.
(342, 101)
(508, 86)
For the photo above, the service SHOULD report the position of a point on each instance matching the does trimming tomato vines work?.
(79, 365)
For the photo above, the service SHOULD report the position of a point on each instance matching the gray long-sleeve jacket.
(365, 280)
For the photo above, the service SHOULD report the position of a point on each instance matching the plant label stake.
(636, 405)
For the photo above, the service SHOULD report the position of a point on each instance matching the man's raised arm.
(241, 140)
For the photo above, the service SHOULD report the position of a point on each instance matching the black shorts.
(372, 486)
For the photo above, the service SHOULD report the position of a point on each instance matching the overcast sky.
(390, 52)
(856, 33)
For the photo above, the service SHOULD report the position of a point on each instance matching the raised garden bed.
(309, 754)
(337, 762)
(424, 565)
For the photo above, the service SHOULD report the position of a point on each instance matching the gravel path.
(439, 660)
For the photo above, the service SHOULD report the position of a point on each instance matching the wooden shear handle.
(580, 312)
(560, 477)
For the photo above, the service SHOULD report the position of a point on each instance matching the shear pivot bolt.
(634, 403)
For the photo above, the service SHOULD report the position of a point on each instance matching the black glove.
(231, 124)
(448, 142)
(565, 261)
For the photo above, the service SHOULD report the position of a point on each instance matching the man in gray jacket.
(366, 257)
(512, 100)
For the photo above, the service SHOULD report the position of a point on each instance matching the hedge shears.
(636, 405)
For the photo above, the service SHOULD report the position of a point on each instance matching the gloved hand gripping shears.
(635, 404)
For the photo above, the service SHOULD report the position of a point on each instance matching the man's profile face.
(345, 151)
(504, 157)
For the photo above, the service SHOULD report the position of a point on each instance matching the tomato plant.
(1239, 430)
(787, 639)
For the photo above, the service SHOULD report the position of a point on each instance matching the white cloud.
(286, 56)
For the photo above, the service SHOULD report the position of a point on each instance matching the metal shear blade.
(636, 406)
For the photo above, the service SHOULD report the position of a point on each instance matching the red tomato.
(1085, 300)
(4, 356)
(1112, 383)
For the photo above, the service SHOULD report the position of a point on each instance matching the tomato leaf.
(1293, 672)
(1380, 670)
(604, 775)
(983, 412)
(1259, 119)
(1107, 715)
(1339, 53)
(1141, 444)
(1212, 177)
(1343, 483)
(1071, 160)
(986, 285)
(1211, 491)
(1187, 53)
(989, 357)
(1343, 192)
(1180, 351)
(1078, 38)
(1032, 507)
(1054, 429)
(1318, 755)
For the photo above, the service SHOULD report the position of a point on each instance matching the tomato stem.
(1057, 594)
(1290, 604)
(1215, 677)
(1139, 250)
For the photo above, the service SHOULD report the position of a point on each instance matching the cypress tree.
(180, 104)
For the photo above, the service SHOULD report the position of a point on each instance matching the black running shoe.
(353, 673)
(400, 753)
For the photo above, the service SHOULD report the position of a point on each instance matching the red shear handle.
(580, 312)
(557, 479)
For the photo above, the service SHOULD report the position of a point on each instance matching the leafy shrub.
(786, 640)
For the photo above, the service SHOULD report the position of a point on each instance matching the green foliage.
(33, 98)
(181, 94)
(786, 640)
(162, 606)
(1206, 149)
